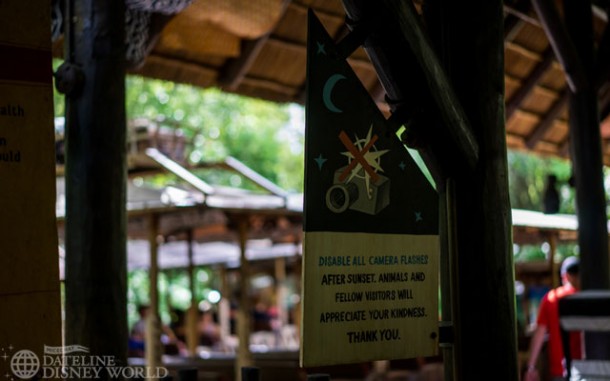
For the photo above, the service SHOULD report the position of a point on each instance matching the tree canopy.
(266, 136)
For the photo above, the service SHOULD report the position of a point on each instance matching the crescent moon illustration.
(327, 92)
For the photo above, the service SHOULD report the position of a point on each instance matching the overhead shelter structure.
(447, 71)
(199, 223)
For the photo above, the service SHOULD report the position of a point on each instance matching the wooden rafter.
(521, 14)
(528, 85)
(562, 44)
(236, 69)
(513, 23)
(512, 27)
(547, 122)
(523, 51)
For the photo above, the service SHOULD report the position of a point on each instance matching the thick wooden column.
(469, 39)
(586, 154)
(96, 285)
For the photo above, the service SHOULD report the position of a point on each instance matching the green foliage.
(266, 136)
(527, 174)
(528, 253)
(174, 290)
(256, 132)
(59, 103)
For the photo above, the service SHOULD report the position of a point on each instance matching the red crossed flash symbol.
(358, 156)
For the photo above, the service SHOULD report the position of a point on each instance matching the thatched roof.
(257, 48)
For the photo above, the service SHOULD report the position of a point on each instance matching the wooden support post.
(153, 348)
(96, 172)
(280, 290)
(587, 158)
(587, 162)
(485, 320)
(244, 357)
(192, 315)
(224, 310)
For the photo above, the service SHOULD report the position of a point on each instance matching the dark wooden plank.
(96, 172)
(547, 122)
(528, 85)
(562, 44)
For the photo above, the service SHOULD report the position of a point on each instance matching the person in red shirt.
(548, 322)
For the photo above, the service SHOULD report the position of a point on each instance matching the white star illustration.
(373, 158)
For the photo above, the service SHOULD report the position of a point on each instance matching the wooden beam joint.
(562, 44)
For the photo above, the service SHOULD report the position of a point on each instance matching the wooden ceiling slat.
(547, 121)
(528, 53)
(236, 69)
(530, 82)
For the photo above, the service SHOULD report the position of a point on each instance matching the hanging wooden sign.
(29, 266)
(371, 248)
